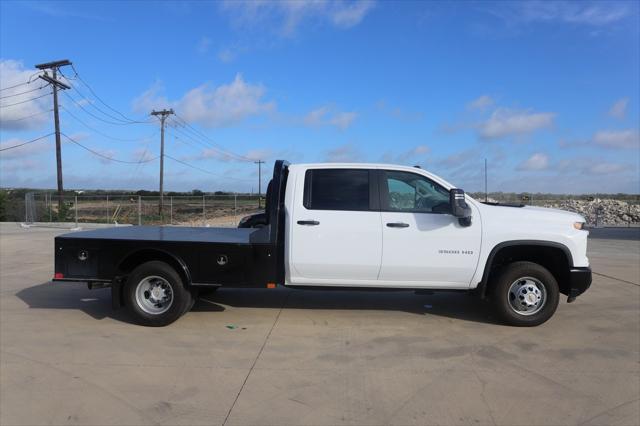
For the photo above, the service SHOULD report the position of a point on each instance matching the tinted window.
(414, 193)
(336, 189)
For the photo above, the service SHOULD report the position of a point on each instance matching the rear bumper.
(579, 282)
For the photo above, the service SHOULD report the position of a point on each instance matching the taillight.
(58, 275)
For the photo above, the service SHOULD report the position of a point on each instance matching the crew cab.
(358, 226)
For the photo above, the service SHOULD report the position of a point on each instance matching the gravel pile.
(601, 211)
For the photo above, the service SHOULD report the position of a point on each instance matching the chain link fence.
(227, 210)
(205, 210)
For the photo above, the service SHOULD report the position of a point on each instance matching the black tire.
(194, 294)
(181, 298)
(511, 302)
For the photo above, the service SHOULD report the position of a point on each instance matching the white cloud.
(606, 168)
(209, 106)
(288, 15)
(219, 155)
(224, 105)
(17, 166)
(258, 154)
(343, 120)
(587, 13)
(412, 157)
(573, 143)
(538, 161)
(459, 158)
(481, 103)
(315, 117)
(350, 13)
(343, 154)
(619, 108)
(506, 122)
(108, 153)
(203, 45)
(142, 155)
(398, 113)
(226, 55)
(625, 139)
(328, 116)
(23, 151)
(151, 99)
(27, 115)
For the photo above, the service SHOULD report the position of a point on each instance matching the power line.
(22, 93)
(99, 98)
(187, 143)
(83, 97)
(197, 141)
(201, 143)
(211, 142)
(135, 170)
(15, 85)
(119, 120)
(207, 145)
(25, 101)
(28, 116)
(106, 156)
(26, 143)
(104, 134)
(79, 105)
(89, 102)
(24, 83)
(203, 170)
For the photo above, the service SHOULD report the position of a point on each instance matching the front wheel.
(155, 294)
(525, 294)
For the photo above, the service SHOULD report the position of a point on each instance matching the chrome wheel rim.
(154, 295)
(527, 296)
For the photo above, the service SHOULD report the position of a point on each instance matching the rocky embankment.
(601, 211)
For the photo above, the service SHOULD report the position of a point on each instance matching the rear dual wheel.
(155, 295)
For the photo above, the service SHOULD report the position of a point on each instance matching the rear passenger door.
(336, 231)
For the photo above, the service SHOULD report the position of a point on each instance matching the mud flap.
(116, 293)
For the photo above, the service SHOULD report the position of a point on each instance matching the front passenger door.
(423, 244)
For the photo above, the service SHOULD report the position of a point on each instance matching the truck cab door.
(335, 233)
(424, 245)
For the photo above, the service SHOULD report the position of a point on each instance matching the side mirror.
(459, 207)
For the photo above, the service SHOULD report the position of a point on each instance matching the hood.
(565, 214)
(530, 213)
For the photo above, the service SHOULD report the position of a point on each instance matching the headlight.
(578, 225)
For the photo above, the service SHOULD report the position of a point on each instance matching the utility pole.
(53, 66)
(163, 116)
(259, 163)
(485, 180)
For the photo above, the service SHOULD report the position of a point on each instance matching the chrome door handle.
(398, 225)
(308, 222)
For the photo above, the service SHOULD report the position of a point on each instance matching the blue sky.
(548, 92)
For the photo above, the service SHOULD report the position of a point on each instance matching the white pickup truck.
(360, 226)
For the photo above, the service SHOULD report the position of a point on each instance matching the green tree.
(3, 206)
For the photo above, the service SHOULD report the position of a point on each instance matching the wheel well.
(136, 259)
(554, 258)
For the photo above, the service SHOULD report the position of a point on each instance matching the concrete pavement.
(314, 357)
